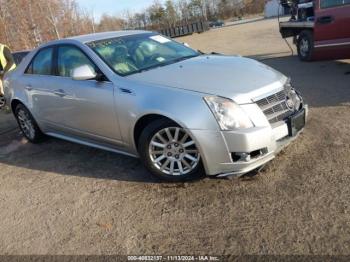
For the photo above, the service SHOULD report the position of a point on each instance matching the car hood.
(234, 77)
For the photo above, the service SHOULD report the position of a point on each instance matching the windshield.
(136, 53)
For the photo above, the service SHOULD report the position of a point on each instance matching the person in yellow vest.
(7, 63)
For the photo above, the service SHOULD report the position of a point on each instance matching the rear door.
(332, 28)
(38, 81)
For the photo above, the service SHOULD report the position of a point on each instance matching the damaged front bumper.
(235, 153)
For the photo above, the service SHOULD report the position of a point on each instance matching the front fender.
(186, 108)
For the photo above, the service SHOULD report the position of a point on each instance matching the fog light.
(240, 157)
(246, 157)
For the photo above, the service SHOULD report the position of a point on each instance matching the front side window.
(69, 58)
(333, 3)
(135, 53)
(42, 63)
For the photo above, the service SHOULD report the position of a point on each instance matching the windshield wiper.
(147, 68)
(163, 64)
(183, 58)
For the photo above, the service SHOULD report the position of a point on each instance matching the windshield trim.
(143, 69)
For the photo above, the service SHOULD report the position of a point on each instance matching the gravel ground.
(62, 198)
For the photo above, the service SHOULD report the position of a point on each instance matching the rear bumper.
(226, 153)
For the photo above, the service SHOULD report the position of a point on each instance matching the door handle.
(29, 88)
(59, 92)
(325, 20)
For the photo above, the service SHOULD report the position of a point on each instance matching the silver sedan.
(184, 113)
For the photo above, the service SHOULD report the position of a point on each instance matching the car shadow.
(322, 84)
(62, 157)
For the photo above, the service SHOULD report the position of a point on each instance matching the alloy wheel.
(174, 152)
(26, 124)
(304, 47)
(2, 101)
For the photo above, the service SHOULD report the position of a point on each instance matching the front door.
(332, 29)
(87, 107)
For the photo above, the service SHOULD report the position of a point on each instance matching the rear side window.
(42, 63)
(333, 3)
(19, 56)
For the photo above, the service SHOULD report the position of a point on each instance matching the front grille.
(275, 107)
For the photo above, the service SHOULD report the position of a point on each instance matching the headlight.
(293, 99)
(228, 114)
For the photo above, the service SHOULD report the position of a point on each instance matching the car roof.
(106, 35)
(93, 37)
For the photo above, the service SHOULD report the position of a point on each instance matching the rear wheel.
(27, 124)
(305, 45)
(169, 152)
(2, 101)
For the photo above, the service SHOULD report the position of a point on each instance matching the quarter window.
(42, 63)
(69, 58)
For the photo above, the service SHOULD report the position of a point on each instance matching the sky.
(113, 7)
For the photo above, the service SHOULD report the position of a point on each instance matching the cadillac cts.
(184, 113)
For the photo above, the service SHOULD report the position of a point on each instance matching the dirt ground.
(63, 198)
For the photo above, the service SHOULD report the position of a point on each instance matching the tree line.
(25, 24)
(174, 12)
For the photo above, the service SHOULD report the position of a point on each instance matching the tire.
(2, 101)
(175, 159)
(28, 125)
(305, 45)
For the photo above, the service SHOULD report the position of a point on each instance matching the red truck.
(324, 33)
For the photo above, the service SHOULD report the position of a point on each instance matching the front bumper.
(226, 153)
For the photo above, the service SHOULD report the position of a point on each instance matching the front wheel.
(305, 45)
(169, 152)
(27, 124)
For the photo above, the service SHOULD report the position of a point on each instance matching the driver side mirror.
(84, 72)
